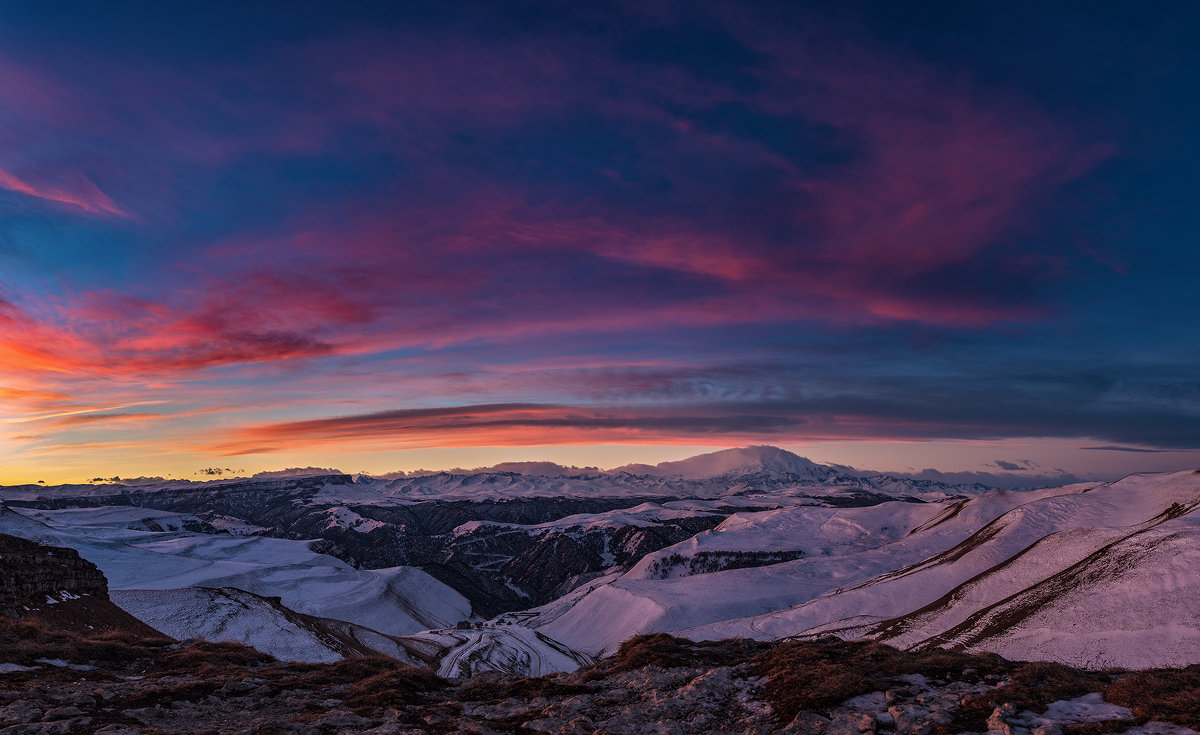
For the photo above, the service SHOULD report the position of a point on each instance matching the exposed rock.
(31, 572)
(654, 685)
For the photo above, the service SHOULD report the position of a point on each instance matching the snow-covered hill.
(1094, 576)
(753, 542)
(396, 601)
(507, 540)
(230, 614)
(495, 646)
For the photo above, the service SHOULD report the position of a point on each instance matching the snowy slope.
(1103, 577)
(1133, 603)
(643, 515)
(513, 649)
(1098, 595)
(397, 600)
(229, 614)
(634, 604)
(810, 531)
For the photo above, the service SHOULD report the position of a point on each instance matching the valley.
(534, 574)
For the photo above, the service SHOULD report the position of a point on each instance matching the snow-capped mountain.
(505, 540)
(744, 471)
(734, 463)
(753, 542)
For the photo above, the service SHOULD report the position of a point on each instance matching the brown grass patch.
(211, 659)
(23, 641)
(373, 683)
(1034, 686)
(1171, 695)
(393, 689)
(668, 652)
(816, 676)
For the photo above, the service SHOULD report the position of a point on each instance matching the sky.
(932, 237)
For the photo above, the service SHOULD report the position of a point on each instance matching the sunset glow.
(386, 237)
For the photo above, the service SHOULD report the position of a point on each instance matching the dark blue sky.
(946, 235)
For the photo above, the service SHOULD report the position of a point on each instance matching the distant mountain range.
(540, 569)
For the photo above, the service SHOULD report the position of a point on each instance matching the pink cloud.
(532, 424)
(941, 172)
(491, 425)
(940, 175)
(81, 193)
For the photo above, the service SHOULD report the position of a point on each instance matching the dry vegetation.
(1171, 695)
(24, 641)
(667, 652)
(815, 676)
(367, 685)
(812, 676)
(1034, 686)
(488, 686)
(161, 670)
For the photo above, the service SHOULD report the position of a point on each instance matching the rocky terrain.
(55, 682)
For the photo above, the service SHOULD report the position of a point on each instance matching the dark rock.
(63, 713)
(31, 572)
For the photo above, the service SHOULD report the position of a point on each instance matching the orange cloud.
(507, 424)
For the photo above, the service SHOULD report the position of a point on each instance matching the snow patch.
(342, 517)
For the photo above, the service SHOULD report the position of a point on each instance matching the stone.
(79, 700)
(807, 723)
(63, 713)
(237, 688)
(1000, 719)
(851, 723)
(341, 719)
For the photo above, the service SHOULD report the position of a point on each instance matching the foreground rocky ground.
(117, 682)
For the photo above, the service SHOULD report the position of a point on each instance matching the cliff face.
(31, 572)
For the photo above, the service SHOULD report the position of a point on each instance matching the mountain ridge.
(760, 468)
(529, 574)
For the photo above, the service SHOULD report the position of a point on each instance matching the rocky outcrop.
(54, 587)
(31, 572)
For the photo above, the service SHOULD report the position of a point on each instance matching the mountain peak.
(739, 461)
